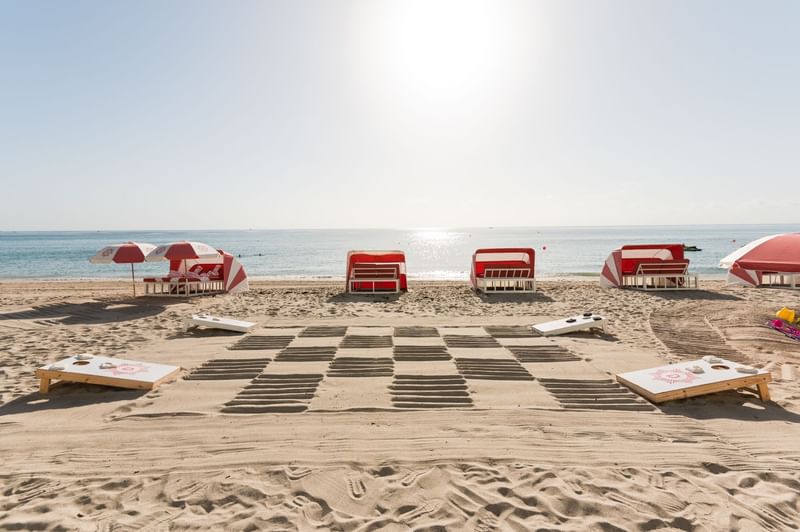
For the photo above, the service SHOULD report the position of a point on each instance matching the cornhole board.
(582, 322)
(122, 373)
(676, 381)
(228, 324)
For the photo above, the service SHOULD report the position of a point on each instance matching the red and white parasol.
(182, 251)
(775, 253)
(127, 253)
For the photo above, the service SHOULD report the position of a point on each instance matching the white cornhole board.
(106, 371)
(228, 324)
(571, 324)
(678, 381)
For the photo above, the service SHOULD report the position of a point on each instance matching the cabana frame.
(503, 270)
(217, 275)
(376, 272)
(649, 267)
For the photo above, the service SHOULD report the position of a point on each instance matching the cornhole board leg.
(763, 391)
(44, 384)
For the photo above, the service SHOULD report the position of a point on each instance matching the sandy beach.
(515, 455)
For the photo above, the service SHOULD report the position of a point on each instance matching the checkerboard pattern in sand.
(329, 368)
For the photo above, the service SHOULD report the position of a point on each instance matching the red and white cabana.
(503, 270)
(648, 267)
(196, 269)
(770, 261)
(376, 271)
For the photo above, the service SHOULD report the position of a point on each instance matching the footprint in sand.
(312, 511)
(412, 477)
(427, 508)
(484, 521)
(296, 473)
(356, 487)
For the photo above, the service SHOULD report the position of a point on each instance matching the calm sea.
(431, 253)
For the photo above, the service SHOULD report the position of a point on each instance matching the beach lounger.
(584, 322)
(503, 270)
(648, 267)
(376, 271)
(697, 377)
(213, 322)
(106, 371)
(202, 276)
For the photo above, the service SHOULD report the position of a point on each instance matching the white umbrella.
(125, 253)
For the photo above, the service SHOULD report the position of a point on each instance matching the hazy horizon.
(427, 228)
(374, 114)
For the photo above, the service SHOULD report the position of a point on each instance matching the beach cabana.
(376, 271)
(648, 267)
(770, 261)
(503, 270)
(196, 269)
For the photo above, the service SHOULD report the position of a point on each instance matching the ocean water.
(430, 253)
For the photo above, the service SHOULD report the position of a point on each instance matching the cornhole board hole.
(107, 372)
(698, 377)
(583, 322)
(212, 322)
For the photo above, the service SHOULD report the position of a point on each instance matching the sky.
(386, 114)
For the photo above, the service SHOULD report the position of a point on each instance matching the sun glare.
(438, 50)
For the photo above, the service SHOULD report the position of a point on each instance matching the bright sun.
(436, 48)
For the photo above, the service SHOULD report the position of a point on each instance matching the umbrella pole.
(133, 281)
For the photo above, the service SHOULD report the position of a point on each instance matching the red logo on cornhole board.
(674, 376)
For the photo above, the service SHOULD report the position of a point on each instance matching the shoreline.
(319, 279)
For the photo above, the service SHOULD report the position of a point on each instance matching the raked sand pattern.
(432, 410)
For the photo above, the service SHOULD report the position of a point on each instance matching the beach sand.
(512, 455)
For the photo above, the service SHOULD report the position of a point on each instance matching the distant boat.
(691, 248)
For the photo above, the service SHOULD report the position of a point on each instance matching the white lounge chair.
(213, 322)
(583, 322)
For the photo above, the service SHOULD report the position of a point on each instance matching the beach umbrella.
(182, 250)
(774, 253)
(126, 253)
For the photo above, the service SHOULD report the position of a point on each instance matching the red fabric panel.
(128, 253)
(479, 267)
(779, 254)
(180, 251)
(382, 258)
(675, 249)
(629, 266)
(212, 271)
(241, 275)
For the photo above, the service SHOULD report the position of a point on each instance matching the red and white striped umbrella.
(182, 251)
(774, 253)
(126, 253)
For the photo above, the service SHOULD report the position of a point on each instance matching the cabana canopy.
(663, 261)
(376, 271)
(765, 260)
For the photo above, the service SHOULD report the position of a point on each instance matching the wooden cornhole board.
(228, 324)
(122, 373)
(572, 324)
(676, 381)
